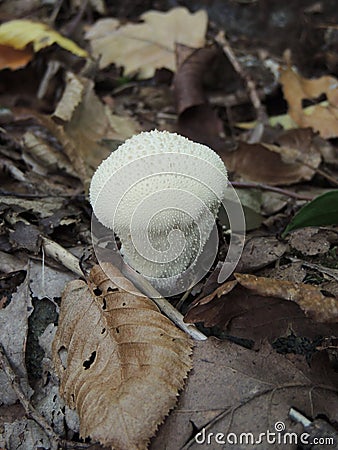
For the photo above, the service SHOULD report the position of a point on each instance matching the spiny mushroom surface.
(160, 193)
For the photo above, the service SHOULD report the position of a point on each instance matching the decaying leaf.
(310, 241)
(259, 251)
(11, 58)
(295, 158)
(144, 47)
(321, 117)
(43, 157)
(236, 391)
(19, 33)
(192, 104)
(85, 121)
(308, 297)
(120, 361)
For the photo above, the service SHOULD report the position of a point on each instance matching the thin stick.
(321, 172)
(166, 307)
(71, 262)
(61, 255)
(250, 84)
(266, 187)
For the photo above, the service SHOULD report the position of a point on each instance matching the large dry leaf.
(308, 297)
(144, 47)
(322, 118)
(236, 390)
(197, 120)
(295, 158)
(120, 361)
(86, 122)
(244, 314)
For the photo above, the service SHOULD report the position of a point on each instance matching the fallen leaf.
(323, 210)
(150, 45)
(25, 433)
(322, 118)
(295, 159)
(11, 58)
(308, 297)
(233, 390)
(188, 81)
(310, 241)
(120, 361)
(19, 33)
(25, 236)
(259, 251)
(43, 157)
(197, 120)
(82, 124)
(250, 318)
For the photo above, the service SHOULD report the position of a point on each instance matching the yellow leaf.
(145, 47)
(121, 362)
(19, 33)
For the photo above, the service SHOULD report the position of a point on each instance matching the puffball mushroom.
(160, 192)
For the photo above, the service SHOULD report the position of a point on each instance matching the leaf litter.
(276, 321)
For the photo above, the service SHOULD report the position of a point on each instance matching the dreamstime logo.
(163, 208)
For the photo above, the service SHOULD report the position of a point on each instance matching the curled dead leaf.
(120, 361)
(308, 297)
(294, 156)
(197, 119)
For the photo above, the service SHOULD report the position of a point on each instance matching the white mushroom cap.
(160, 193)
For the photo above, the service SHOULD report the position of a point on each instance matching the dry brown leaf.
(322, 118)
(11, 58)
(295, 158)
(86, 122)
(144, 47)
(233, 390)
(308, 297)
(197, 120)
(120, 361)
(260, 251)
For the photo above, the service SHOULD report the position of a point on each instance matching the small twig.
(55, 12)
(166, 307)
(74, 24)
(321, 172)
(71, 262)
(266, 187)
(250, 84)
(61, 255)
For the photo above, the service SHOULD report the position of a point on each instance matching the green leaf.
(323, 210)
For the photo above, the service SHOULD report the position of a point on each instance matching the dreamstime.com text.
(279, 436)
